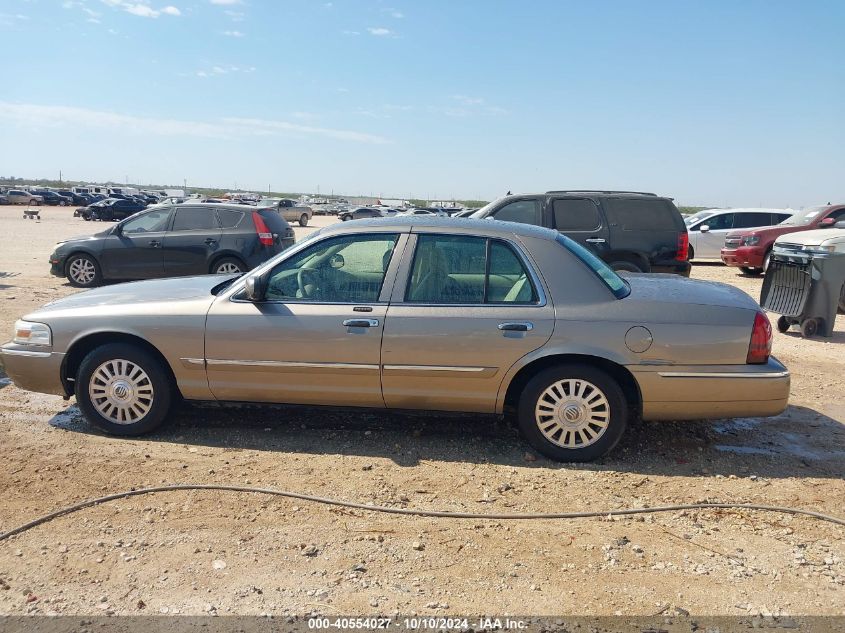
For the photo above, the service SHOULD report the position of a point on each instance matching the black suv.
(633, 231)
(173, 241)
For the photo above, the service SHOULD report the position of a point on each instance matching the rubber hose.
(413, 512)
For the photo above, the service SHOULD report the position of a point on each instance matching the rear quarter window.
(631, 214)
(275, 222)
(230, 218)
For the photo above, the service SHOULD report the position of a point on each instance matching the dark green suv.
(632, 231)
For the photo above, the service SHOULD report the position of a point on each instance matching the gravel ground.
(227, 553)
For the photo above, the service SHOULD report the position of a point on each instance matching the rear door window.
(719, 221)
(578, 214)
(641, 214)
(522, 211)
(194, 219)
(751, 220)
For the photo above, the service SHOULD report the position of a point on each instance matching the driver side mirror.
(827, 222)
(704, 228)
(254, 288)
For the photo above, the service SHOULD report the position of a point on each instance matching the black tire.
(157, 380)
(766, 260)
(227, 263)
(62, 203)
(783, 324)
(616, 408)
(345, 218)
(83, 262)
(842, 300)
(809, 327)
(303, 219)
(624, 265)
(690, 253)
(751, 272)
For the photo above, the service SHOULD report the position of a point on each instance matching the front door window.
(348, 269)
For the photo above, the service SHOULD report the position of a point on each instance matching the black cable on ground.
(413, 512)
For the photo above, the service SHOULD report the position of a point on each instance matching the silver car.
(415, 313)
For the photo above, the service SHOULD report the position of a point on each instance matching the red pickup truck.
(750, 249)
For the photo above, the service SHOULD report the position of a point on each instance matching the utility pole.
(60, 178)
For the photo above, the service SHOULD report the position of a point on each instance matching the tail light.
(761, 340)
(264, 234)
(683, 247)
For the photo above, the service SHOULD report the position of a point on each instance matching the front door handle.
(360, 323)
(210, 241)
(520, 326)
(155, 243)
(595, 240)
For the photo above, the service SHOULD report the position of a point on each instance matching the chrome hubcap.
(228, 268)
(121, 391)
(572, 413)
(82, 271)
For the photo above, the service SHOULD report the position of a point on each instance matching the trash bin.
(804, 288)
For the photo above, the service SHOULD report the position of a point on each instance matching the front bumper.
(699, 392)
(57, 265)
(33, 369)
(744, 256)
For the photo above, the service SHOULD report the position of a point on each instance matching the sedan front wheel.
(572, 413)
(82, 271)
(123, 389)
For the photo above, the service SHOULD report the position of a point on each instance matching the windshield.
(483, 210)
(803, 218)
(617, 285)
(689, 220)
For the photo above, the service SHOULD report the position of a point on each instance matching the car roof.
(457, 226)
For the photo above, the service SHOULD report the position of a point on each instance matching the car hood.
(174, 290)
(768, 231)
(87, 238)
(812, 238)
(652, 288)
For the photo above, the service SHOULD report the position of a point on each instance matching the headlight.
(27, 333)
(751, 240)
(819, 248)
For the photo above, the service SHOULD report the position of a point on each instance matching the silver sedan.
(415, 313)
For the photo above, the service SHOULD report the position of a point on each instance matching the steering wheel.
(305, 278)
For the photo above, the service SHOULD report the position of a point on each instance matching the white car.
(815, 241)
(707, 229)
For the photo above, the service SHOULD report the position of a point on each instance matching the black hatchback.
(631, 231)
(174, 241)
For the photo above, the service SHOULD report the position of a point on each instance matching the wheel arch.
(618, 372)
(81, 347)
(226, 255)
(81, 251)
(633, 257)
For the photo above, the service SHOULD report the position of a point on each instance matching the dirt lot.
(220, 553)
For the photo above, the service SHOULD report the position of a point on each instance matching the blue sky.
(713, 103)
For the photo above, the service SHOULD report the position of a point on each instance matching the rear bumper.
(673, 266)
(712, 391)
(744, 256)
(33, 370)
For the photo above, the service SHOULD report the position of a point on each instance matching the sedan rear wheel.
(572, 413)
(123, 389)
(842, 300)
(82, 271)
(303, 219)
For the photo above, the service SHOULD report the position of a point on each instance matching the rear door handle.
(521, 326)
(595, 240)
(360, 323)
(210, 241)
(155, 243)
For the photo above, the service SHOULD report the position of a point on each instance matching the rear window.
(230, 218)
(614, 282)
(275, 222)
(634, 214)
